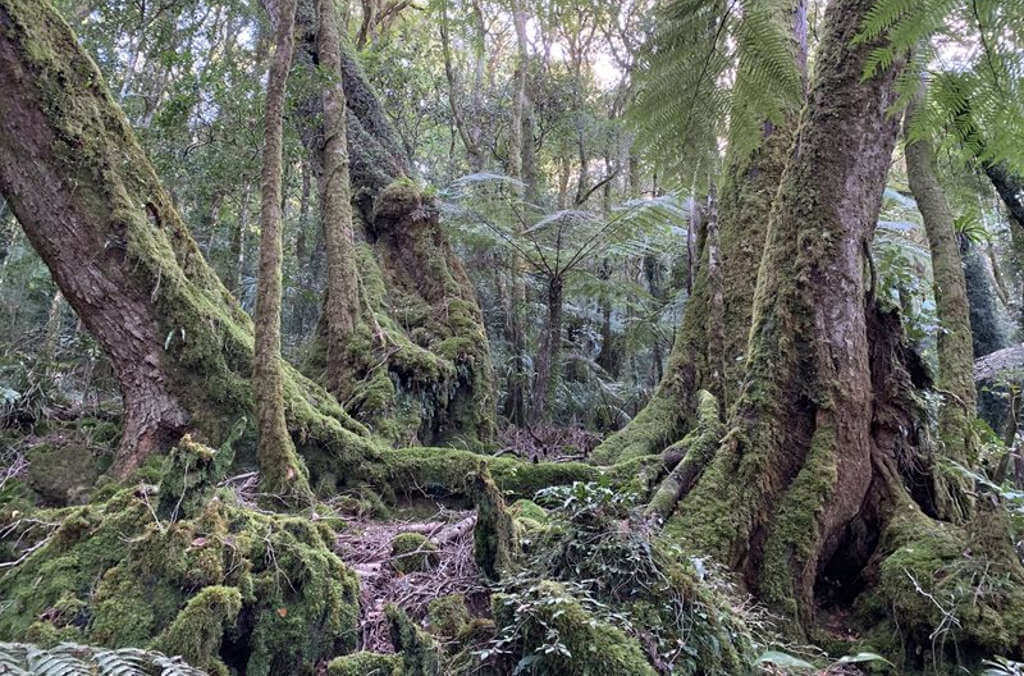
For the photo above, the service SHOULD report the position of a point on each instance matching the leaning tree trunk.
(955, 381)
(281, 472)
(796, 467)
(91, 204)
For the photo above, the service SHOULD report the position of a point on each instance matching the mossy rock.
(448, 615)
(365, 664)
(63, 470)
(412, 552)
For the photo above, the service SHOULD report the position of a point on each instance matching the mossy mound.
(222, 584)
(412, 552)
(365, 664)
(557, 635)
(447, 616)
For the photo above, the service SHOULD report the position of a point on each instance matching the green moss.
(420, 654)
(196, 632)
(365, 664)
(528, 509)
(447, 615)
(411, 552)
(121, 575)
(495, 541)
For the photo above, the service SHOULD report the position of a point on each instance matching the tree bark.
(796, 468)
(281, 472)
(549, 359)
(341, 305)
(956, 434)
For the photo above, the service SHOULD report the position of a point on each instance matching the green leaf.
(782, 659)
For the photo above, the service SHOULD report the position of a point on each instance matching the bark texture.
(90, 202)
(281, 472)
(341, 305)
(956, 432)
(795, 468)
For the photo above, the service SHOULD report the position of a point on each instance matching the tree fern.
(72, 659)
(970, 51)
(715, 69)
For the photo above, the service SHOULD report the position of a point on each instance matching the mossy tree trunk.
(341, 305)
(93, 208)
(281, 471)
(710, 345)
(795, 468)
(417, 342)
(955, 380)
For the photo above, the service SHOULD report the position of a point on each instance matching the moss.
(529, 510)
(447, 615)
(121, 575)
(196, 632)
(63, 470)
(593, 646)
(411, 552)
(495, 542)
(420, 654)
(945, 596)
(365, 664)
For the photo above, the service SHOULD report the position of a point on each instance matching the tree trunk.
(796, 468)
(341, 306)
(956, 434)
(722, 278)
(281, 472)
(419, 343)
(90, 202)
(549, 360)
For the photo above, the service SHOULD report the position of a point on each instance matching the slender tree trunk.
(281, 470)
(549, 360)
(342, 302)
(956, 359)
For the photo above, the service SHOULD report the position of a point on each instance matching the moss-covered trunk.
(92, 206)
(415, 366)
(795, 468)
(955, 380)
(341, 304)
(280, 470)
(710, 345)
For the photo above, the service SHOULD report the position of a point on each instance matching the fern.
(970, 53)
(72, 659)
(715, 69)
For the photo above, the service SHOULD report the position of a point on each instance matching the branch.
(991, 365)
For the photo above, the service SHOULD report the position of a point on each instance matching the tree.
(181, 347)
(954, 340)
(280, 469)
